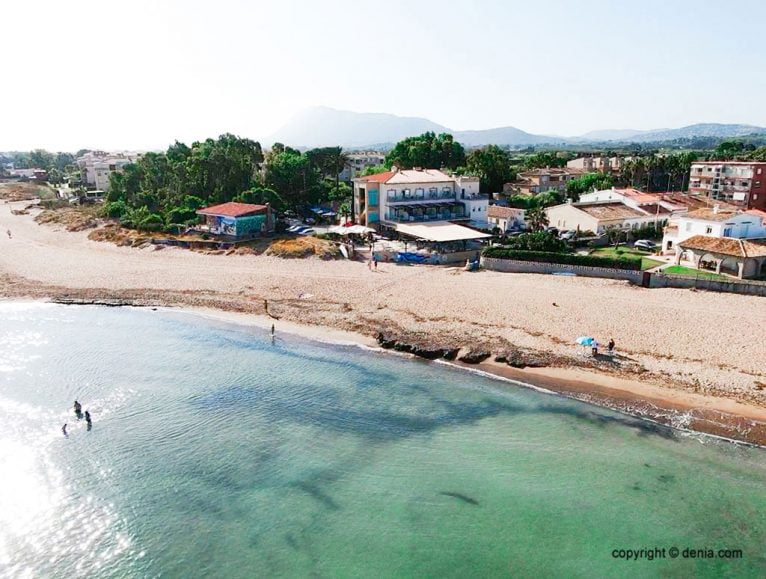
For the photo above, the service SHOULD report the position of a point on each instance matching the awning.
(440, 231)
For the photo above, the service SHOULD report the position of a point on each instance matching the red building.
(740, 183)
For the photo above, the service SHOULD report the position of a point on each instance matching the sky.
(142, 74)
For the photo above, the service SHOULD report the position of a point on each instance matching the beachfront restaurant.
(439, 242)
(236, 221)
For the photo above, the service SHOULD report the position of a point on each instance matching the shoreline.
(680, 410)
(689, 359)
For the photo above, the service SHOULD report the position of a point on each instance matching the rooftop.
(404, 176)
(609, 210)
(726, 246)
(503, 212)
(233, 209)
(710, 214)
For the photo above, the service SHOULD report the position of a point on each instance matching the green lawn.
(681, 270)
(646, 262)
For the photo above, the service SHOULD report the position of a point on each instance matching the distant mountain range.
(323, 126)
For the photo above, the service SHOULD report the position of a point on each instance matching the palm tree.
(536, 219)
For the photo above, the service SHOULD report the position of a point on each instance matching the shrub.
(624, 262)
(537, 241)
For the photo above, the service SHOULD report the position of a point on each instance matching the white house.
(97, 166)
(395, 198)
(359, 161)
(599, 216)
(715, 222)
(505, 218)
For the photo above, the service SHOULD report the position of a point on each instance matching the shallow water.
(215, 452)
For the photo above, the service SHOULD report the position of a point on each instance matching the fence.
(749, 287)
(518, 266)
(643, 278)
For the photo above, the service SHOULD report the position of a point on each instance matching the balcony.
(415, 215)
(426, 196)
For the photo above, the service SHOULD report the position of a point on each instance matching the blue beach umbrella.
(584, 341)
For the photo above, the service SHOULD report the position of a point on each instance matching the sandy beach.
(675, 341)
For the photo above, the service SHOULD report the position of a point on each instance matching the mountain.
(715, 130)
(613, 134)
(323, 126)
(502, 136)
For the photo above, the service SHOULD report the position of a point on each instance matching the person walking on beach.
(375, 259)
(87, 418)
(594, 348)
(9, 233)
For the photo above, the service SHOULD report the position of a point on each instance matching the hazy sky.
(140, 74)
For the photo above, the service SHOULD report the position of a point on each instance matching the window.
(406, 193)
(759, 171)
(372, 197)
(391, 194)
(419, 193)
(433, 192)
(727, 232)
(708, 229)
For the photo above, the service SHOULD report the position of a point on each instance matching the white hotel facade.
(399, 197)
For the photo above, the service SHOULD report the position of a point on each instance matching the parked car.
(306, 231)
(645, 244)
(552, 230)
(567, 235)
(309, 221)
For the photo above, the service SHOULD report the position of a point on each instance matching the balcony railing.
(421, 197)
(407, 218)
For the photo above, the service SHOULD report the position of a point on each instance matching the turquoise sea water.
(215, 452)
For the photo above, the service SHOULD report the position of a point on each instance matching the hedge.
(627, 262)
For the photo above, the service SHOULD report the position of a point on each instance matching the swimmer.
(77, 408)
(87, 417)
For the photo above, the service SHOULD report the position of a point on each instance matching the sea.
(217, 451)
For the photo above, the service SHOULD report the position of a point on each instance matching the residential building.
(397, 197)
(33, 174)
(505, 218)
(97, 166)
(598, 164)
(541, 180)
(740, 183)
(715, 222)
(236, 220)
(742, 258)
(358, 162)
(600, 216)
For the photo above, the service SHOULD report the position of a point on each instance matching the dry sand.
(703, 342)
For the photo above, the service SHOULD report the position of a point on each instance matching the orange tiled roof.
(726, 246)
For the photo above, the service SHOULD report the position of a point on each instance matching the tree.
(537, 241)
(40, 158)
(536, 219)
(493, 167)
(588, 182)
(429, 151)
